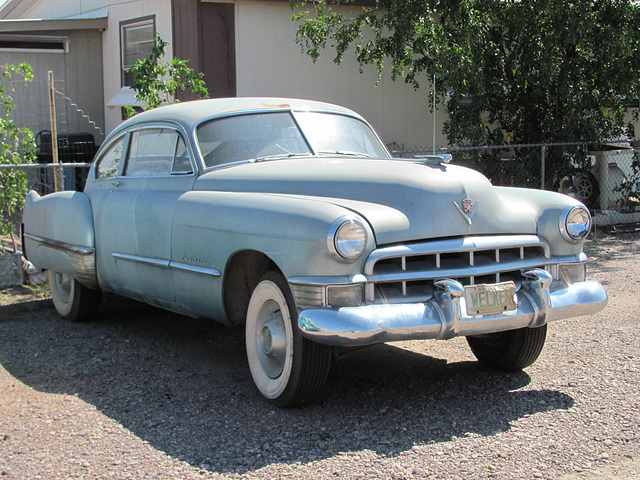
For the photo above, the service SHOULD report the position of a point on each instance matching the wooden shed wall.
(77, 74)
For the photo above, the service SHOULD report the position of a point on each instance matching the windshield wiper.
(279, 156)
(346, 153)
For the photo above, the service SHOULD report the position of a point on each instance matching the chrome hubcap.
(272, 340)
(63, 284)
(584, 188)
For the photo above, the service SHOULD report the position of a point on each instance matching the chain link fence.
(40, 178)
(78, 138)
(605, 177)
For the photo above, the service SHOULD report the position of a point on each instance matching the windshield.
(339, 134)
(249, 137)
(261, 136)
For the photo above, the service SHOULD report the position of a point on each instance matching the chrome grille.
(405, 273)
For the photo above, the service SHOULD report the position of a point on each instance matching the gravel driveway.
(140, 393)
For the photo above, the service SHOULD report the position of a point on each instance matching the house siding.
(270, 63)
(117, 13)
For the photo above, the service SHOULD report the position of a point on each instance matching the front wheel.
(288, 369)
(72, 300)
(509, 351)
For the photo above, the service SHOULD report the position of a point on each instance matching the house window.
(136, 41)
(34, 44)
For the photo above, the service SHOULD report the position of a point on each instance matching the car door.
(134, 224)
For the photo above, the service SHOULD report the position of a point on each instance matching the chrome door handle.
(115, 183)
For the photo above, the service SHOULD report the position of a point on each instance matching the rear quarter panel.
(59, 236)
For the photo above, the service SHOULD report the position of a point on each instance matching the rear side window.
(109, 163)
(157, 152)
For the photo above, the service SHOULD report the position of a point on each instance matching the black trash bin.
(72, 148)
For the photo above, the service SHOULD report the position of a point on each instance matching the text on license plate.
(487, 299)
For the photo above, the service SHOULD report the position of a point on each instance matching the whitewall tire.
(288, 369)
(73, 301)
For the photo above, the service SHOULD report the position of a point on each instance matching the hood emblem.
(468, 209)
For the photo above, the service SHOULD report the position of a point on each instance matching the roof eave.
(15, 8)
(41, 25)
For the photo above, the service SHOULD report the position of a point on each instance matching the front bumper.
(540, 300)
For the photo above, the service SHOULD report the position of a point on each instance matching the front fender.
(58, 234)
(547, 208)
(209, 227)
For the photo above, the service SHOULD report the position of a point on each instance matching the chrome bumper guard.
(540, 300)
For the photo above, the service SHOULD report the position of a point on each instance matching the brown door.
(204, 34)
(217, 48)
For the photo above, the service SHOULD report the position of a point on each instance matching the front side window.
(136, 42)
(107, 166)
(156, 152)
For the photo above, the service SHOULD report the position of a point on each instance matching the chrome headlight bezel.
(575, 223)
(347, 239)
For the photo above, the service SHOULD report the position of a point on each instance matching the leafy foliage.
(16, 146)
(530, 71)
(157, 83)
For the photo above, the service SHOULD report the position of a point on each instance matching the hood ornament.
(468, 209)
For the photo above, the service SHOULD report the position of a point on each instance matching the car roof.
(189, 113)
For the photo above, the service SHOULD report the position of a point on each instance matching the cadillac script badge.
(468, 209)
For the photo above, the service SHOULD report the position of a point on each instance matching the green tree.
(16, 146)
(157, 83)
(536, 70)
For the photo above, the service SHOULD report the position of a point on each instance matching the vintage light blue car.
(291, 218)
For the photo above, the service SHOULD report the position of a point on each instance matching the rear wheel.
(586, 188)
(72, 300)
(288, 369)
(509, 351)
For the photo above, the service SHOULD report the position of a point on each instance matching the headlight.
(347, 238)
(575, 223)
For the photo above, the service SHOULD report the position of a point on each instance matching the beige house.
(244, 48)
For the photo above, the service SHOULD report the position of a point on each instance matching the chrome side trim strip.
(154, 262)
(67, 247)
(144, 260)
(212, 272)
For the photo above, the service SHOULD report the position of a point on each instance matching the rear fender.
(58, 234)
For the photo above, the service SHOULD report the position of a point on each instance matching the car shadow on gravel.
(183, 385)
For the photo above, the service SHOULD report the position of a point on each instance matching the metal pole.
(434, 113)
(543, 154)
(54, 134)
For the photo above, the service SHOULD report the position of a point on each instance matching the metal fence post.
(543, 155)
(57, 172)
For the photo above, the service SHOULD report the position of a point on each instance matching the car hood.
(403, 200)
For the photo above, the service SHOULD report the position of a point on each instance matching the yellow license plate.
(490, 299)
